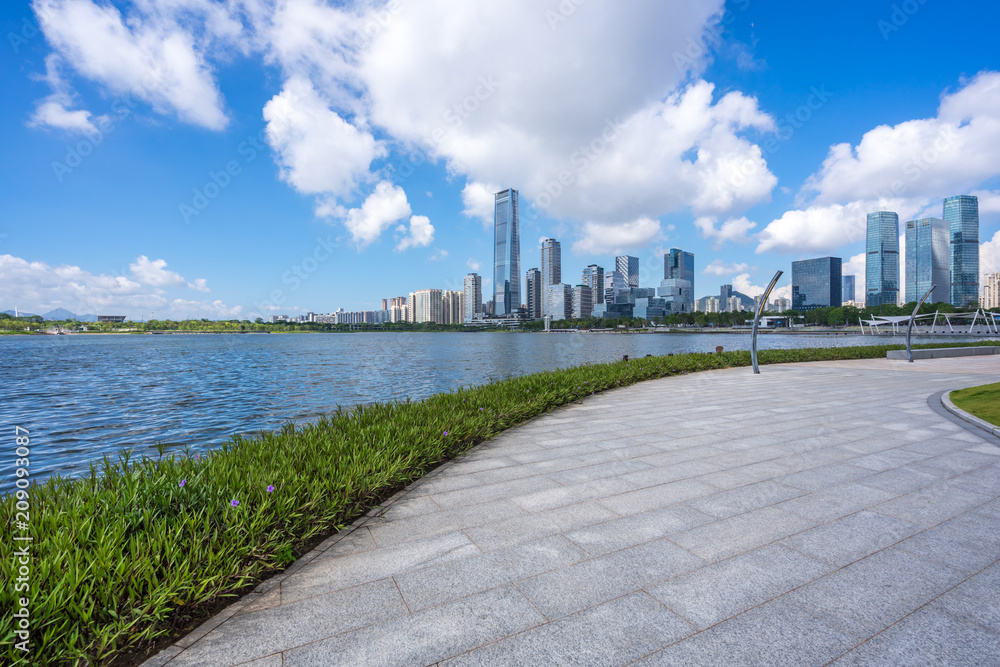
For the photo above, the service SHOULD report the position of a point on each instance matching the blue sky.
(234, 159)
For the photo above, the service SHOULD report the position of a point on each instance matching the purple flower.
(270, 489)
(183, 482)
(234, 502)
(480, 409)
(446, 432)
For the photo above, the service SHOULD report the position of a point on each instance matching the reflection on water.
(85, 396)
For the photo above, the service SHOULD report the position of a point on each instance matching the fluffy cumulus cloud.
(908, 168)
(734, 229)
(42, 287)
(149, 54)
(479, 200)
(318, 151)
(855, 266)
(383, 207)
(419, 235)
(614, 239)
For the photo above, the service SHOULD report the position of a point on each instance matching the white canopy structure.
(977, 322)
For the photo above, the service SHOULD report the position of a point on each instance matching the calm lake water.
(85, 396)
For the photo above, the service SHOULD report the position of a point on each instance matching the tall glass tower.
(678, 281)
(962, 215)
(551, 262)
(506, 254)
(628, 266)
(593, 277)
(882, 259)
(927, 260)
(817, 283)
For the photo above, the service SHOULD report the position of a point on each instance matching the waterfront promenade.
(816, 513)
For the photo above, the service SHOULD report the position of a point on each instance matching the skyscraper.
(628, 266)
(817, 283)
(991, 291)
(677, 286)
(882, 259)
(847, 291)
(551, 262)
(962, 215)
(558, 301)
(593, 277)
(452, 306)
(506, 254)
(583, 301)
(472, 286)
(614, 283)
(533, 298)
(927, 259)
(426, 306)
(725, 294)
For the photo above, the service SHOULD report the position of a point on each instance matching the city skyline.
(249, 173)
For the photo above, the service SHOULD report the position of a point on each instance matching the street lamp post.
(756, 319)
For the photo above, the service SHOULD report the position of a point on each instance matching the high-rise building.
(817, 283)
(781, 304)
(583, 301)
(558, 301)
(991, 291)
(927, 258)
(452, 306)
(551, 262)
(533, 293)
(506, 253)
(711, 304)
(472, 286)
(614, 283)
(425, 306)
(847, 288)
(725, 294)
(628, 266)
(593, 277)
(677, 286)
(962, 215)
(882, 259)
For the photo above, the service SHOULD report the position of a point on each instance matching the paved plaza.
(815, 513)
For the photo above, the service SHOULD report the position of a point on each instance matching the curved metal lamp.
(909, 327)
(756, 318)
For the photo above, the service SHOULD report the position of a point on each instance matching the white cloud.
(199, 285)
(151, 57)
(438, 255)
(855, 266)
(420, 234)
(386, 205)
(734, 229)
(479, 200)
(741, 283)
(318, 151)
(54, 111)
(989, 257)
(38, 287)
(155, 273)
(908, 168)
(719, 268)
(614, 239)
(473, 264)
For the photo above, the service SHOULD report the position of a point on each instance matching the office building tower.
(551, 262)
(628, 266)
(452, 306)
(506, 254)
(847, 288)
(962, 216)
(991, 291)
(534, 292)
(472, 287)
(558, 301)
(781, 304)
(614, 283)
(725, 294)
(677, 286)
(426, 306)
(881, 259)
(817, 283)
(593, 277)
(583, 301)
(927, 259)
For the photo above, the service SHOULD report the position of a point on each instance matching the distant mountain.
(59, 314)
(86, 318)
(20, 313)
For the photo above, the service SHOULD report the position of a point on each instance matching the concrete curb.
(965, 416)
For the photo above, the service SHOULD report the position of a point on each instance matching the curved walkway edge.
(965, 416)
(818, 513)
